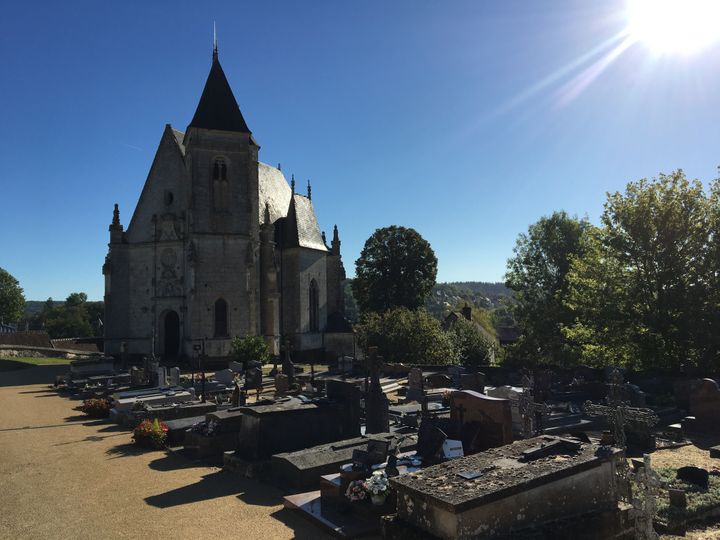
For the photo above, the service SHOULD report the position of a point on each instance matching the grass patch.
(699, 501)
(14, 364)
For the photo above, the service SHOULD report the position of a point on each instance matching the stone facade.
(219, 245)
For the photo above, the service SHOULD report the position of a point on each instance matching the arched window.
(220, 186)
(221, 318)
(314, 297)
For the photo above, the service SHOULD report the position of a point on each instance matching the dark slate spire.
(217, 108)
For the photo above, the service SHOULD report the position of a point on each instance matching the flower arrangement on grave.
(151, 433)
(96, 408)
(356, 491)
(378, 487)
(209, 428)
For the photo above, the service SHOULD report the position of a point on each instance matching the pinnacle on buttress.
(266, 217)
(116, 215)
(309, 195)
(292, 184)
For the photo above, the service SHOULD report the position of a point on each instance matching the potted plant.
(96, 408)
(356, 491)
(151, 433)
(378, 487)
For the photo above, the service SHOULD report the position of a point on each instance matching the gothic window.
(220, 186)
(221, 318)
(314, 298)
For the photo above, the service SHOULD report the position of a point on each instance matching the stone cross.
(619, 416)
(644, 501)
(617, 383)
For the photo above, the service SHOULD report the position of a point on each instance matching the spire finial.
(267, 213)
(215, 51)
(324, 239)
(292, 184)
(309, 190)
(116, 215)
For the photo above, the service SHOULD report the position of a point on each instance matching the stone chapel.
(219, 245)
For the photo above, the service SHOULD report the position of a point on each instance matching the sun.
(674, 26)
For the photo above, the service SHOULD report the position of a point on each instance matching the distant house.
(466, 313)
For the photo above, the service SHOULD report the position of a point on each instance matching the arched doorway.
(171, 329)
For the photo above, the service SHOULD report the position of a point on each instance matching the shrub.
(151, 433)
(250, 348)
(96, 408)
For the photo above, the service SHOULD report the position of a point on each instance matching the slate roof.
(179, 135)
(273, 190)
(300, 227)
(217, 108)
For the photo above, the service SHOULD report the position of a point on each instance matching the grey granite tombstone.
(377, 418)
(415, 385)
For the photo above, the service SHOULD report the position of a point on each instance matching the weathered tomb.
(509, 488)
(293, 424)
(302, 469)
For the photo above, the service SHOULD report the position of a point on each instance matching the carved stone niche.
(169, 284)
(170, 227)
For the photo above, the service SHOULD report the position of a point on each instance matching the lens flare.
(675, 26)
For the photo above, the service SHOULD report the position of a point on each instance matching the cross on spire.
(215, 48)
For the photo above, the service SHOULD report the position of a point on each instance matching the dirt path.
(63, 476)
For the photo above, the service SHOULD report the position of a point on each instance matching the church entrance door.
(172, 334)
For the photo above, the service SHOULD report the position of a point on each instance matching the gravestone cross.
(644, 501)
(619, 416)
(616, 385)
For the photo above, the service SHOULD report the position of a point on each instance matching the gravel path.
(64, 476)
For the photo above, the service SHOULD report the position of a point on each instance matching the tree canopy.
(250, 348)
(643, 292)
(12, 300)
(537, 275)
(397, 268)
(403, 335)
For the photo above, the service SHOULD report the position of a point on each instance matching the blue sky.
(467, 120)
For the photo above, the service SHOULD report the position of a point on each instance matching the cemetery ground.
(65, 476)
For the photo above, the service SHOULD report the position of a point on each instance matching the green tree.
(71, 319)
(12, 300)
(397, 267)
(473, 346)
(638, 290)
(407, 336)
(249, 348)
(537, 275)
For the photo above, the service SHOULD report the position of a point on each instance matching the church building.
(219, 245)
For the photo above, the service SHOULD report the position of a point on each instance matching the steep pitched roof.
(217, 108)
(273, 191)
(300, 227)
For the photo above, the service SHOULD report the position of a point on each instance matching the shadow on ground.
(215, 485)
(124, 450)
(23, 374)
(171, 462)
(295, 522)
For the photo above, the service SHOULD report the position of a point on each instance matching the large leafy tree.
(474, 346)
(537, 275)
(12, 300)
(640, 290)
(397, 267)
(404, 335)
(71, 319)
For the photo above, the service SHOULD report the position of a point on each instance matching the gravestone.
(415, 385)
(347, 395)
(137, 376)
(542, 389)
(705, 407)
(288, 368)
(224, 376)
(161, 376)
(377, 418)
(253, 379)
(480, 421)
(438, 380)
(456, 373)
(430, 442)
(174, 376)
(473, 381)
(345, 364)
(644, 500)
(282, 383)
(237, 367)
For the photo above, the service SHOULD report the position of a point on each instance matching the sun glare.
(675, 26)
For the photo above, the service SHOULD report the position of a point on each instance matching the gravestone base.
(200, 447)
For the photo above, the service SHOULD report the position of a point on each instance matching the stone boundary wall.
(20, 351)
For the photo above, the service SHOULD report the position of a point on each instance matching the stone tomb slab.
(479, 496)
(286, 426)
(302, 469)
